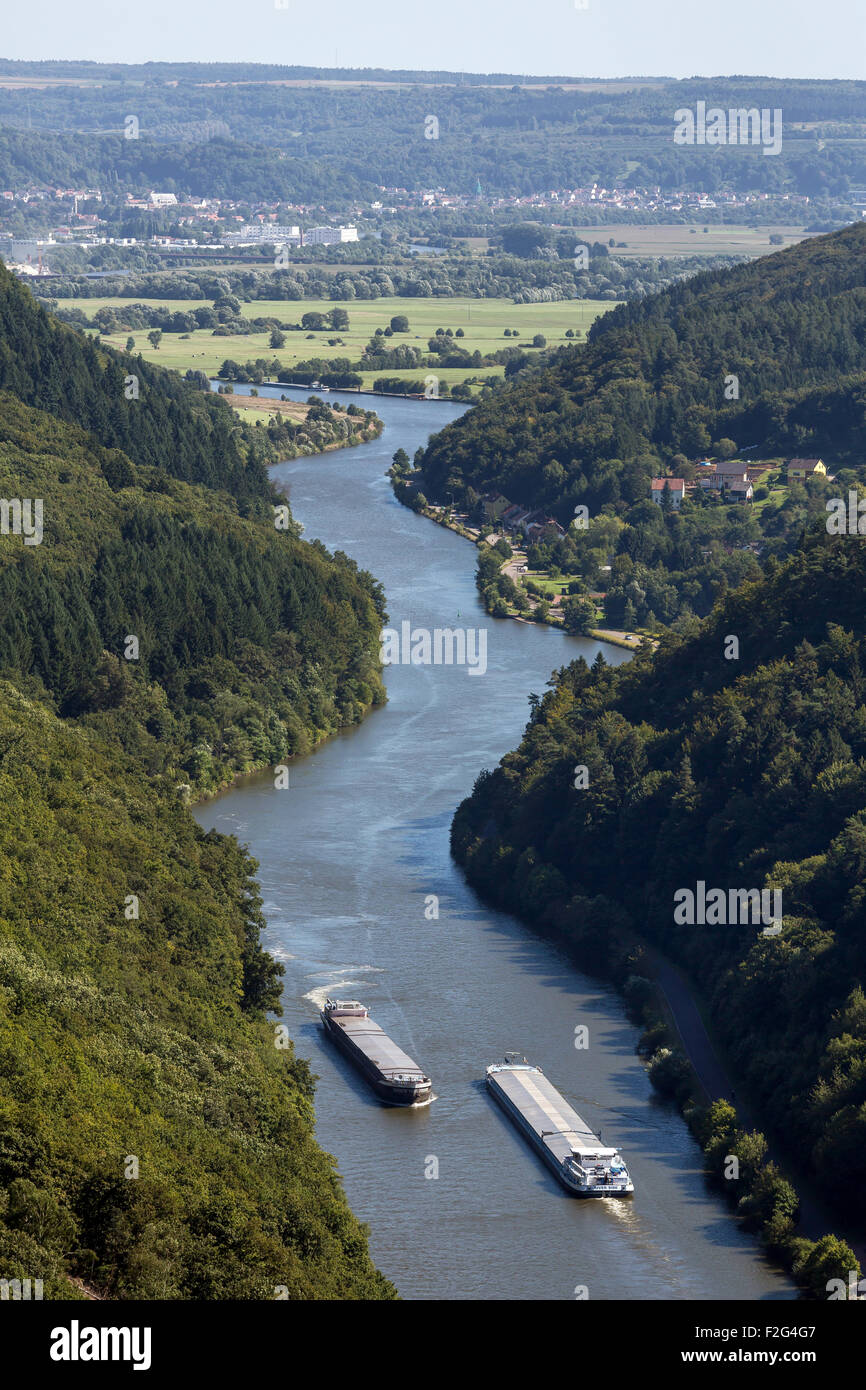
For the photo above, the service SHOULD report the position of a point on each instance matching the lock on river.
(350, 855)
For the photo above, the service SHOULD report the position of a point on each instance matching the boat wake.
(338, 982)
(420, 1104)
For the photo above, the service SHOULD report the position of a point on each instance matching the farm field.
(483, 322)
(680, 239)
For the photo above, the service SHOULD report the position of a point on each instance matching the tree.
(130, 344)
(827, 1259)
(339, 319)
(542, 611)
(277, 338)
(523, 238)
(399, 324)
(117, 470)
(539, 341)
(578, 615)
(725, 448)
(154, 337)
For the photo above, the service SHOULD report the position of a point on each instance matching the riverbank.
(318, 389)
(688, 1015)
(238, 779)
(626, 640)
(310, 427)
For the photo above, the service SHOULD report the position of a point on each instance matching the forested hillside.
(783, 337)
(191, 435)
(252, 645)
(270, 132)
(601, 420)
(156, 1135)
(741, 773)
(154, 1142)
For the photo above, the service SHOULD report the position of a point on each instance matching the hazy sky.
(608, 38)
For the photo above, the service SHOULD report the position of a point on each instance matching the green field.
(680, 239)
(483, 322)
(551, 587)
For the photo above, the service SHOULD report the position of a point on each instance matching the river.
(351, 856)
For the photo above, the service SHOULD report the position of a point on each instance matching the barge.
(564, 1140)
(393, 1075)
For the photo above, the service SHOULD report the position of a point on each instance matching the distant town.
(214, 225)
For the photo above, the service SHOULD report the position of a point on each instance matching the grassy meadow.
(681, 239)
(483, 322)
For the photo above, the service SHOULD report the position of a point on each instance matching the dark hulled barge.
(395, 1078)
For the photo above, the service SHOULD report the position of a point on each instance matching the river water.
(351, 856)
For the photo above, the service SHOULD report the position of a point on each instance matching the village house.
(545, 528)
(675, 486)
(801, 469)
(729, 477)
(495, 507)
(740, 489)
(515, 516)
(717, 478)
(732, 468)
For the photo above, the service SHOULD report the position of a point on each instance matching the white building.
(676, 488)
(265, 234)
(329, 236)
(163, 200)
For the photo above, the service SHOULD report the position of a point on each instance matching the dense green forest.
(154, 1142)
(190, 435)
(344, 141)
(741, 773)
(647, 395)
(156, 1134)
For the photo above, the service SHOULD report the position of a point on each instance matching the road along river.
(354, 865)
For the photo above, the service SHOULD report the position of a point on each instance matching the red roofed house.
(676, 487)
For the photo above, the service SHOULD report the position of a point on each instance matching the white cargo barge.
(564, 1140)
(395, 1078)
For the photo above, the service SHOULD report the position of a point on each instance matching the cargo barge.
(395, 1078)
(565, 1141)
